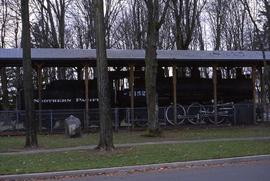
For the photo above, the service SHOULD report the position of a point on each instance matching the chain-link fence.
(126, 118)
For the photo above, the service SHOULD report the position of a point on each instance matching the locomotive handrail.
(225, 104)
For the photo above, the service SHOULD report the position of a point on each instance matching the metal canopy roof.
(117, 57)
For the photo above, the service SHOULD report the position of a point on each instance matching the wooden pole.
(131, 87)
(263, 97)
(86, 73)
(115, 92)
(215, 91)
(39, 74)
(174, 94)
(254, 92)
(265, 82)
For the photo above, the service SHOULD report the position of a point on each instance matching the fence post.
(234, 115)
(128, 118)
(131, 87)
(17, 117)
(51, 119)
(164, 117)
(86, 123)
(267, 112)
(84, 118)
(116, 118)
(132, 121)
(254, 92)
(174, 95)
(215, 91)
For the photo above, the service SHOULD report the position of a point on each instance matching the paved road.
(253, 171)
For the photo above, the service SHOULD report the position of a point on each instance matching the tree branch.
(163, 15)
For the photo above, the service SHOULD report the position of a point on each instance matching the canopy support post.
(86, 82)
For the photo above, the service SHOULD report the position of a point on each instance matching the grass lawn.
(58, 141)
(149, 154)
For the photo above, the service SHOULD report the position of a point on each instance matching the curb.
(139, 168)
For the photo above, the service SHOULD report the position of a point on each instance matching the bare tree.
(4, 81)
(106, 133)
(235, 25)
(167, 39)
(83, 23)
(155, 20)
(199, 33)
(31, 126)
(265, 11)
(83, 15)
(112, 7)
(186, 13)
(49, 29)
(217, 11)
(130, 32)
(9, 23)
(51, 17)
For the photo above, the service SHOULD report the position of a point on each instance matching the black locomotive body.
(67, 94)
(70, 94)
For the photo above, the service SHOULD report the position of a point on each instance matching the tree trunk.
(151, 64)
(219, 22)
(61, 33)
(31, 126)
(151, 79)
(106, 132)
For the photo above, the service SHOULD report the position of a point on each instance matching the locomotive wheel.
(180, 114)
(211, 116)
(196, 113)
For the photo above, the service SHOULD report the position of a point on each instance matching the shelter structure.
(133, 58)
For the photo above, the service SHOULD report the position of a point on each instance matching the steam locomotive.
(194, 94)
(70, 94)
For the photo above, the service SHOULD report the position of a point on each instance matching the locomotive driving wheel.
(196, 113)
(180, 114)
